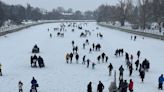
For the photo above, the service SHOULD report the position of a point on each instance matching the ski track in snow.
(58, 76)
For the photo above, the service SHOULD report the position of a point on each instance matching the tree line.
(143, 13)
(19, 13)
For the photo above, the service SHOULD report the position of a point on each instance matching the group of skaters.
(124, 86)
(37, 60)
(100, 87)
(134, 38)
(60, 31)
(34, 85)
(119, 52)
(75, 50)
(143, 67)
(92, 47)
(103, 57)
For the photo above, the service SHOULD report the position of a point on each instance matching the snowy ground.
(58, 76)
(128, 26)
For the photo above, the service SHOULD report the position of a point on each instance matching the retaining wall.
(20, 27)
(133, 31)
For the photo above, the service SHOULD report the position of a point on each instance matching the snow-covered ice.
(58, 76)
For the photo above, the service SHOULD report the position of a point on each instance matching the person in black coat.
(120, 85)
(110, 69)
(124, 86)
(84, 59)
(121, 69)
(77, 58)
(103, 56)
(106, 59)
(142, 74)
(40, 62)
(98, 59)
(138, 53)
(31, 61)
(71, 57)
(130, 69)
(89, 87)
(100, 87)
(88, 63)
(137, 63)
(73, 43)
(93, 46)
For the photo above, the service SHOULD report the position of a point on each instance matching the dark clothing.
(142, 74)
(130, 69)
(137, 63)
(34, 83)
(138, 54)
(160, 80)
(89, 88)
(77, 58)
(121, 69)
(124, 87)
(110, 67)
(88, 63)
(100, 87)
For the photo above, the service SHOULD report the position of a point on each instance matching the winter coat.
(100, 87)
(161, 79)
(142, 73)
(20, 85)
(124, 87)
(110, 67)
(89, 88)
(131, 85)
(33, 82)
(121, 69)
(137, 62)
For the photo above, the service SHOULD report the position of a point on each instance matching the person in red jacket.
(131, 86)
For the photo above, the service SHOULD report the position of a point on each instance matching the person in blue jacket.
(160, 80)
(34, 83)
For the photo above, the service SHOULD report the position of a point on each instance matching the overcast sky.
(74, 4)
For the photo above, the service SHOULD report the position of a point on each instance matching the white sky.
(74, 4)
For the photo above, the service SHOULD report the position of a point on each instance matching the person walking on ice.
(0, 69)
(131, 85)
(110, 69)
(160, 80)
(20, 86)
(88, 63)
(34, 85)
(89, 87)
(93, 65)
(100, 87)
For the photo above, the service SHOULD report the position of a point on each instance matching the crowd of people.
(37, 60)
(34, 85)
(75, 57)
